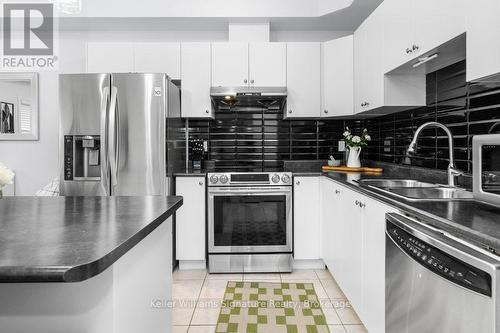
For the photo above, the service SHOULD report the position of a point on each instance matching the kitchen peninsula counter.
(86, 264)
(69, 239)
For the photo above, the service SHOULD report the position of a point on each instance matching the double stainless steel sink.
(414, 190)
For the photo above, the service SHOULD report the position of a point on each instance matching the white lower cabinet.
(306, 218)
(190, 219)
(353, 248)
(373, 264)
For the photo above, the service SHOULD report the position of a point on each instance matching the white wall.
(329, 6)
(36, 162)
(12, 91)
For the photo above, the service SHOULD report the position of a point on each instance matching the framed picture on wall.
(7, 116)
(18, 106)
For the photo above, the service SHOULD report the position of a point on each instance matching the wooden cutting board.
(346, 169)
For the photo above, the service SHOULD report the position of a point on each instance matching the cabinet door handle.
(415, 47)
(245, 81)
(360, 204)
(289, 111)
(325, 111)
(252, 81)
(207, 112)
(408, 50)
(297, 182)
(337, 192)
(201, 183)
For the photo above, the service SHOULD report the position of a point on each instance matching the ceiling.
(322, 15)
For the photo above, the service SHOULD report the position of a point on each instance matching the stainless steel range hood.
(266, 97)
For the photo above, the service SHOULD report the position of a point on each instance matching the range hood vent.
(272, 98)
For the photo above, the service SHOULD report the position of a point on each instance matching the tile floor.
(198, 295)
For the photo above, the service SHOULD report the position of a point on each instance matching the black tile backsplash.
(256, 138)
(466, 109)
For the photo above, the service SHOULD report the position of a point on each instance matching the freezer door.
(83, 103)
(137, 134)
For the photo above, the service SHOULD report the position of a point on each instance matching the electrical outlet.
(341, 145)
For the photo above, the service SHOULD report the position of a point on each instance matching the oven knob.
(275, 178)
(285, 178)
(223, 179)
(214, 179)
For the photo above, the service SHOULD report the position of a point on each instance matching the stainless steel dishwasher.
(437, 283)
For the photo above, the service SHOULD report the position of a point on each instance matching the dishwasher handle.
(438, 261)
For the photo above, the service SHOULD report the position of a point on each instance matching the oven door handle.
(252, 190)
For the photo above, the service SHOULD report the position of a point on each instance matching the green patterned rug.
(267, 307)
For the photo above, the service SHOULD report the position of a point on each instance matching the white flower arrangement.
(6, 176)
(356, 140)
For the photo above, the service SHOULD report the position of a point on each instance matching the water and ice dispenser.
(82, 157)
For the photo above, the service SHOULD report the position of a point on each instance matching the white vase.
(353, 158)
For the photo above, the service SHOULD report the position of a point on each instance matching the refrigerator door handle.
(104, 141)
(113, 136)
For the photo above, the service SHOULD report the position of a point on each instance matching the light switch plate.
(341, 145)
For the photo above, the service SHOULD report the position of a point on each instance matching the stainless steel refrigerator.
(115, 131)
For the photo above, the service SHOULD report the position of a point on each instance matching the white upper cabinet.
(303, 61)
(110, 57)
(158, 58)
(134, 57)
(267, 64)
(230, 64)
(437, 22)
(373, 89)
(306, 218)
(195, 76)
(368, 64)
(254, 64)
(337, 77)
(483, 38)
(414, 27)
(399, 32)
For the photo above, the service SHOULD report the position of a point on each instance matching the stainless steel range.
(250, 222)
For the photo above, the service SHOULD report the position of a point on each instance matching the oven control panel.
(250, 179)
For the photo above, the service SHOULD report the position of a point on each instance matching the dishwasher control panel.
(439, 262)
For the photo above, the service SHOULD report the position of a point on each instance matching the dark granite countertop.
(470, 220)
(70, 239)
(307, 174)
(191, 174)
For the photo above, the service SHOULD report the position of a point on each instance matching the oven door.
(250, 219)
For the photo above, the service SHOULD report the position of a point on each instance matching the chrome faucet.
(452, 170)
